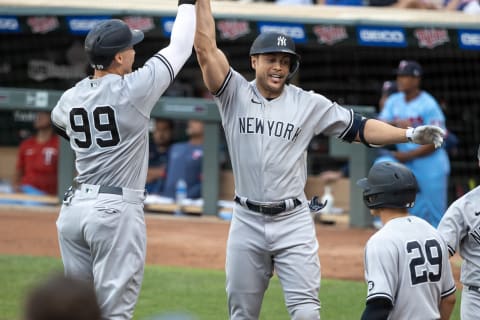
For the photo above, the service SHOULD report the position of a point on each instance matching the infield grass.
(168, 290)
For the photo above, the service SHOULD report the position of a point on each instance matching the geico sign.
(83, 24)
(382, 36)
(470, 39)
(8, 24)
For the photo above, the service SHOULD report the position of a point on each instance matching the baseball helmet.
(106, 39)
(271, 42)
(389, 185)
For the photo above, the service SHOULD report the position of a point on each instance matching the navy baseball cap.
(389, 87)
(409, 68)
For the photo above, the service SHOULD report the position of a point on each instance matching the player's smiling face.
(271, 71)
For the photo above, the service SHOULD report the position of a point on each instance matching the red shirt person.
(36, 170)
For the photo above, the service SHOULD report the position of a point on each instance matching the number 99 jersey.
(106, 121)
(407, 263)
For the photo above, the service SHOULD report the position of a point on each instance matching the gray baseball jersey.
(268, 140)
(107, 122)
(407, 263)
(101, 226)
(460, 227)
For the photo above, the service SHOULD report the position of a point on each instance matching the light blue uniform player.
(460, 227)
(101, 227)
(412, 107)
(268, 125)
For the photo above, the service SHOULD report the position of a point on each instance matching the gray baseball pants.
(102, 238)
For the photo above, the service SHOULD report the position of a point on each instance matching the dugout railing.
(359, 156)
(347, 53)
(173, 108)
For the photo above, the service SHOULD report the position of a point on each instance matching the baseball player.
(268, 125)
(412, 107)
(460, 227)
(406, 262)
(101, 227)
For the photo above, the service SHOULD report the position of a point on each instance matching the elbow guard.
(186, 2)
(357, 128)
(377, 309)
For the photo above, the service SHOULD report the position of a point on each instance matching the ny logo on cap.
(281, 41)
(403, 64)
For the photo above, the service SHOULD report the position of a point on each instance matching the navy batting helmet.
(106, 39)
(389, 185)
(271, 42)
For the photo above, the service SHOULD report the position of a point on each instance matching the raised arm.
(181, 39)
(212, 61)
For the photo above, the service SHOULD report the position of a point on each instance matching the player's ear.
(118, 58)
(253, 62)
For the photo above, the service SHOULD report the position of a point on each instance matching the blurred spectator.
(185, 162)
(388, 88)
(342, 2)
(158, 155)
(412, 107)
(61, 298)
(295, 2)
(466, 6)
(407, 4)
(37, 160)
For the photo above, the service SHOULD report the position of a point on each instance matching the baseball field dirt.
(197, 242)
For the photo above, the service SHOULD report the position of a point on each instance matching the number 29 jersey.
(407, 263)
(107, 119)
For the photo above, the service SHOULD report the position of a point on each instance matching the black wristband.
(186, 2)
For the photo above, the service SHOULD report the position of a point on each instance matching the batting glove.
(426, 135)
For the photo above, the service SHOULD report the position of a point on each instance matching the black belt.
(270, 209)
(474, 288)
(102, 189)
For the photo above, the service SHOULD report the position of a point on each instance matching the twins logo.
(282, 41)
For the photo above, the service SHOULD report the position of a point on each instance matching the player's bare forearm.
(205, 30)
(446, 306)
(381, 133)
(212, 61)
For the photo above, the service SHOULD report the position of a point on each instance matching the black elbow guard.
(357, 127)
(361, 131)
(186, 2)
(377, 309)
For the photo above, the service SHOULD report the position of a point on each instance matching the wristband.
(409, 134)
(186, 2)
